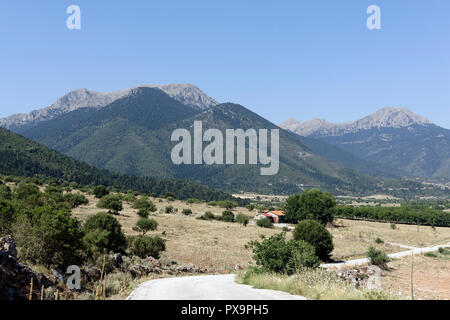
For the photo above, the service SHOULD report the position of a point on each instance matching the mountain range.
(129, 132)
(131, 135)
(394, 137)
(187, 94)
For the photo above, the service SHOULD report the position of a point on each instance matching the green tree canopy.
(111, 202)
(316, 235)
(312, 204)
(103, 233)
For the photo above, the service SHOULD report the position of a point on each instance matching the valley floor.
(219, 246)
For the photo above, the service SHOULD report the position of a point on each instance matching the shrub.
(379, 241)
(5, 192)
(377, 257)
(75, 199)
(169, 194)
(304, 256)
(227, 216)
(144, 246)
(7, 217)
(168, 209)
(103, 233)
(145, 204)
(226, 204)
(49, 236)
(100, 191)
(275, 254)
(192, 200)
(242, 219)
(170, 199)
(393, 226)
(145, 225)
(186, 212)
(111, 202)
(129, 197)
(25, 190)
(208, 215)
(316, 235)
(264, 223)
(142, 213)
(250, 207)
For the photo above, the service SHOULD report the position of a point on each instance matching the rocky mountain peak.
(187, 94)
(384, 118)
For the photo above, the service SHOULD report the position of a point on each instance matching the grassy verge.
(442, 253)
(315, 284)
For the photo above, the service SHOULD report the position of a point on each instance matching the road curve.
(216, 287)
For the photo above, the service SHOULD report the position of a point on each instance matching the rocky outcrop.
(368, 277)
(15, 277)
(151, 265)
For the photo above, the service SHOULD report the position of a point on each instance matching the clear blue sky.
(281, 59)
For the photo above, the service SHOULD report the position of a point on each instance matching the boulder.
(139, 270)
(188, 268)
(8, 245)
(15, 278)
(117, 258)
(153, 261)
(90, 274)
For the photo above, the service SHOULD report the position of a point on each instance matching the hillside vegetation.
(22, 157)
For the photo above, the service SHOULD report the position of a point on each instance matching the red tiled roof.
(277, 213)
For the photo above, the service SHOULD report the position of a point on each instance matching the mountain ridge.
(187, 94)
(132, 136)
(387, 117)
(393, 137)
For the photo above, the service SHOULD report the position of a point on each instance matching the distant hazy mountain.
(394, 137)
(187, 94)
(132, 135)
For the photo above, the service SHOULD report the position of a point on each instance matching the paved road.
(397, 255)
(218, 287)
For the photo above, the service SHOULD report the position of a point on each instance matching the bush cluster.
(317, 235)
(275, 254)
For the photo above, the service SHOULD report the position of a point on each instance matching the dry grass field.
(219, 246)
(431, 277)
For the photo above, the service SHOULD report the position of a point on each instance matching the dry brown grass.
(431, 277)
(411, 235)
(214, 245)
(219, 246)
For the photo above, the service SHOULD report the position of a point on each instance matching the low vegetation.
(377, 257)
(264, 223)
(316, 284)
(276, 254)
